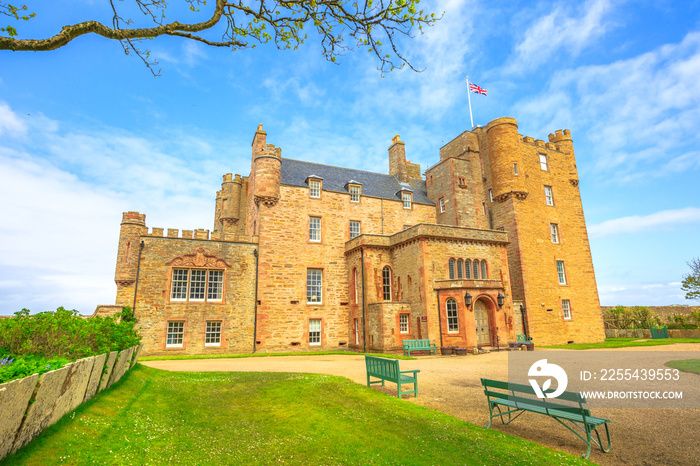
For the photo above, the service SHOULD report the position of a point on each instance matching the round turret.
(268, 174)
(504, 153)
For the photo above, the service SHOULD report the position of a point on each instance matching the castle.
(303, 257)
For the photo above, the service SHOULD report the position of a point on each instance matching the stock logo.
(542, 368)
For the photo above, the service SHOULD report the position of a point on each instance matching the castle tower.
(228, 204)
(133, 227)
(267, 170)
(532, 191)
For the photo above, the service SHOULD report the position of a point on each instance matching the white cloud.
(640, 224)
(10, 123)
(639, 114)
(561, 31)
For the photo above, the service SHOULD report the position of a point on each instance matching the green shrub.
(33, 341)
(23, 366)
(681, 326)
(622, 318)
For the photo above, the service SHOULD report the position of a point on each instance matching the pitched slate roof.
(295, 173)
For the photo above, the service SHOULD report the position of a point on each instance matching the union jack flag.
(477, 90)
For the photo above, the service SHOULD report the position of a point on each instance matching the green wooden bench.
(568, 410)
(388, 369)
(522, 339)
(418, 345)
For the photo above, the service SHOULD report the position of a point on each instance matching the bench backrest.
(425, 343)
(382, 367)
(525, 394)
(522, 338)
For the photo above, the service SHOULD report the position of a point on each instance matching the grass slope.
(686, 365)
(624, 342)
(159, 417)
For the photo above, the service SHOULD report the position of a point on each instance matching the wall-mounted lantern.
(501, 299)
(468, 300)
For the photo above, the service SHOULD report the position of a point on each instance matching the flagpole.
(470, 104)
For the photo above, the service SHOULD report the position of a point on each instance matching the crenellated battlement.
(198, 233)
(134, 218)
(560, 135)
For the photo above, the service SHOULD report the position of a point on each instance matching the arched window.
(452, 318)
(451, 266)
(484, 275)
(468, 269)
(386, 283)
(476, 269)
(460, 268)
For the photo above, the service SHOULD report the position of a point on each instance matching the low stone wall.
(645, 333)
(31, 404)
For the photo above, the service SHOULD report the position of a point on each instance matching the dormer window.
(314, 182)
(355, 190)
(314, 188)
(406, 194)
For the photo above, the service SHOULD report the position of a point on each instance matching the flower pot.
(446, 350)
(460, 351)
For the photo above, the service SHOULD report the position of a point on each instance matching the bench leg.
(600, 444)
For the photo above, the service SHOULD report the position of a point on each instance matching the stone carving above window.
(199, 258)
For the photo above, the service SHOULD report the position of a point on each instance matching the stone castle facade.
(303, 257)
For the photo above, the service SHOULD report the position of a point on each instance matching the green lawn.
(625, 342)
(687, 365)
(159, 417)
(266, 355)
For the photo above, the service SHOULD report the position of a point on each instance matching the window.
(476, 269)
(555, 233)
(355, 284)
(354, 194)
(354, 229)
(315, 229)
(515, 169)
(452, 319)
(196, 285)
(386, 283)
(176, 332)
(549, 198)
(566, 309)
(468, 269)
(315, 332)
(357, 331)
(491, 195)
(314, 188)
(484, 275)
(442, 204)
(314, 285)
(212, 336)
(462, 181)
(460, 268)
(403, 323)
(543, 162)
(451, 267)
(561, 272)
(407, 200)
(484, 207)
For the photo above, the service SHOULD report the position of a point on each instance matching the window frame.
(460, 269)
(404, 327)
(359, 228)
(554, 233)
(452, 321)
(208, 285)
(451, 268)
(548, 195)
(566, 309)
(561, 273)
(442, 205)
(491, 195)
(407, 199)
(484, 269)
(544, 162)
(315, 186)
(355, 196)
(314, 281)
(313, 323)
(313, 230)
(468, 269)
(475, 269)
(515, 169)
(209, 332)
(170, 330)
(387, 279)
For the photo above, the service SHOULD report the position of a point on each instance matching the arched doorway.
(483, 328)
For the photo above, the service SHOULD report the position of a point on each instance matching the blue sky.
(87, 132)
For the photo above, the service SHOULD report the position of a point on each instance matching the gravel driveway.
(451, 384)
